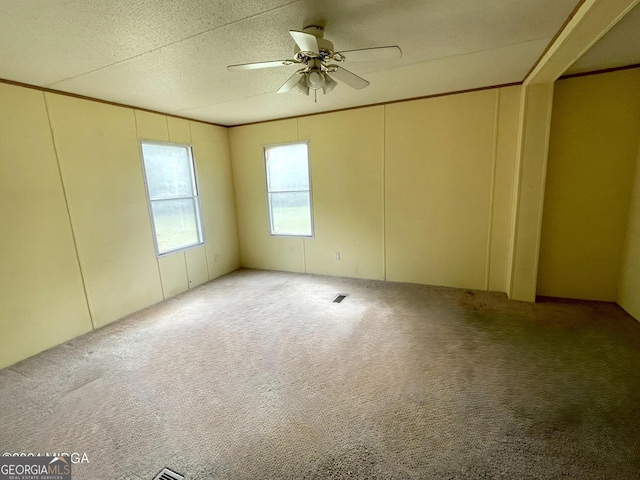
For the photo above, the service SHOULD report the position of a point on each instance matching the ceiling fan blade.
(253, 66)
(351, 79)
(377, 54)
(306, 41)
(289, 84)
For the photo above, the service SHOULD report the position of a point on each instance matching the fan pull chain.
(315, 95)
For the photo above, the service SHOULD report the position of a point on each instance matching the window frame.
(195, 197)
(266, 181)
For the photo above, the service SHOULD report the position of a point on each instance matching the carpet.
(259, 374)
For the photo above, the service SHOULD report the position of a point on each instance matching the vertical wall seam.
(186, 269)
(384, 192)
(206, 260)
(234, 195)
(304, 255)
(204, 246)
(515, 199)
(492, 190)
(506, 272)
(135, 118)
(304, 241)
(66, 202)
(164, 296)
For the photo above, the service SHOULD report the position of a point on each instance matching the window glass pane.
(287, 167)
(176, 224)
(168, 170)
(290, 213)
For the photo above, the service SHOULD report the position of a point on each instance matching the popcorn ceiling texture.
(171, 56)
(259, 375)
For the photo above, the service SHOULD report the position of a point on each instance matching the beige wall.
(257, 248)
(346, 151)
(42, 301)
(446, 161)
(417, 191)
(592, 155)
(629, 288)
(102, 175)
(76, 243)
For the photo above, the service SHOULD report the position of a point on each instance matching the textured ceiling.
(171, 55)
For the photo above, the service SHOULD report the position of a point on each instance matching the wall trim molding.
(98, 100)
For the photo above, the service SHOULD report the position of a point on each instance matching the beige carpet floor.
(259, 375)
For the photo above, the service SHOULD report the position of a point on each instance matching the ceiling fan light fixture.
(302, 86)
(312, 52)
(315, 79)
(329, 84)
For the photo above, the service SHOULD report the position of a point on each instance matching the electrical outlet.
(216, 258)
(336, 255)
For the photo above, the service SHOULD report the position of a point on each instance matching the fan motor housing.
(318, 32)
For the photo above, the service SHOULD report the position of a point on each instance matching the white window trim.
(194, 172)
(266, 185)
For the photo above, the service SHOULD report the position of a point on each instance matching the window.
(289, 189)
(172, 191)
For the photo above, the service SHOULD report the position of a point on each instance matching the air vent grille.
(339, 298)
(167, 474)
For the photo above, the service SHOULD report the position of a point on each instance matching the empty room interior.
(320, 240)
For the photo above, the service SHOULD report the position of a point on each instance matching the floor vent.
(167, 474)
(339, 297)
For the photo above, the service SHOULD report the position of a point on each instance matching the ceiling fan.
(314, 53)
